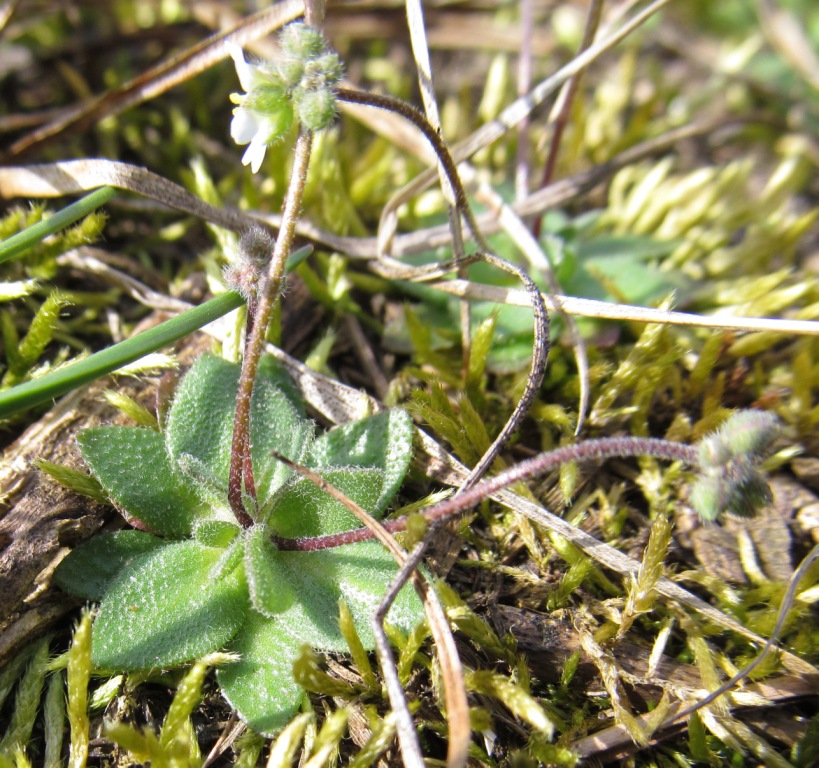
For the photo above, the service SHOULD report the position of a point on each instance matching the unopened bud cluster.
(730, 478)
(247, 271)
(299, 86)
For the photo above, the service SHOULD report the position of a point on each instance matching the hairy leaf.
(383, 441)
(200, 424)
(135, 469)
(92, 566)
(260, 685)
(166, 610)
(269, 591)
(357, 572)
(303, 509)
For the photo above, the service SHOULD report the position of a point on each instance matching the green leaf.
(383, 441)
(92, 566)
(260, 687)
(360, 574)
(303, 509)
(133, 466)
(166, 610)
(200, 423)
(266, 581)
(80, 372)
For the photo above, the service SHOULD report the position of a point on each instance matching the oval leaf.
(200, 424)
(383, 441)
(260, 686)
(134, 467)
(166, 609)
(303, 509)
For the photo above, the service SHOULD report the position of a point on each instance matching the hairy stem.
(241, 471)
(588, 450)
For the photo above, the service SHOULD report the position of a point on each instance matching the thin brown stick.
(564, 103)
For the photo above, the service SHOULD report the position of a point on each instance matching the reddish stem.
(588, 450)
(241, 469)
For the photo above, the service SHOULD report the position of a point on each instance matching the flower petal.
(244, 126)
(254, 155)
(248, 75)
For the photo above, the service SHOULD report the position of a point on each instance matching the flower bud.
(291, 71)
(301, 41)
(316, 108)
(256, 245)
(730, 480)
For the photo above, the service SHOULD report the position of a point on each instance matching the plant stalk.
(241, 468)
(589, 450)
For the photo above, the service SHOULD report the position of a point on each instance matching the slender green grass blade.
(22, 241)
(82, 372)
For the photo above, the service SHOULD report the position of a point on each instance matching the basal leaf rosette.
(192, 581)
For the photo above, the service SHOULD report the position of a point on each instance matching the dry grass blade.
(513, 114)
(786, 34)
(563, 103)
(457, 708)
(161, 78)
(420, 51)
(73, 176)
(608, 311)
(547, 198)
(86, 259)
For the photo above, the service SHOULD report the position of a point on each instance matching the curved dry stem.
(540, 350)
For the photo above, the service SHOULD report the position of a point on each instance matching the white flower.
(264, 113)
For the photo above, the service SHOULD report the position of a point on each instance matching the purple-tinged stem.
(588, 450)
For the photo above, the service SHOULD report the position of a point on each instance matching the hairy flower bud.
(301, 41)
(255, 250)
(256, 245)
(730, 480)
(316, 108)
